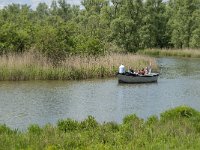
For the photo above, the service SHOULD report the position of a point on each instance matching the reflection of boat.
(136, 78)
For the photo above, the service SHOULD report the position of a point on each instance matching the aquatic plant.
(194, 53)
(33, 66)
(177, 128)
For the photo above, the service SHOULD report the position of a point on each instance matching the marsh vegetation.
(193, 53)
(176, 128)
(91, 33)
(32, 66)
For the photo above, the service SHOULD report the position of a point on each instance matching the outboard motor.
(121, 69)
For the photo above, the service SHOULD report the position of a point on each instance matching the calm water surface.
(42, 102)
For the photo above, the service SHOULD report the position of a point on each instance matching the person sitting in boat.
(149, 69)
(122, 69)
(130, 70)
(141, 72)
(146, 70)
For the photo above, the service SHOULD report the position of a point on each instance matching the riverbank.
(177, 128)
(171, 52)
(30, 66)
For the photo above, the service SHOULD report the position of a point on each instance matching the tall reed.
(30, 66)
(194, 53)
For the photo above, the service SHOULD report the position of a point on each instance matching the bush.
(5, 129)
(180, 112)
(152, 120)
(130, 119)
(67, 125)
(111, 126)
(133, 133)
(34, 129)
(89, 123)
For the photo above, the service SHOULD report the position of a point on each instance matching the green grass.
(177, 128)
(171, 52)
(30, 66)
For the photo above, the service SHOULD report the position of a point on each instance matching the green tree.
(181, 23)
(125, 28)
(15, 27)
(42, 11)
(94, 6)
(154, 21)
(64, 10)
(195, 36)
(56, 43)
(88, 46)
(13, 39)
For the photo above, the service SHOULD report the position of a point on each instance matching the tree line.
(99, 26)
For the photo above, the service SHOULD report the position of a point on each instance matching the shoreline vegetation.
(177, 128)
(189, 53)
(33, 66)
(97, 27)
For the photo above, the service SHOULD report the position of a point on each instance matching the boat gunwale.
(129, 77)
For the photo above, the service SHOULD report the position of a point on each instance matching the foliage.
(183, 22)
(64, 30)
(180, 112)
(68, 125)
(178, 128)
(89, 123)
(34, 129)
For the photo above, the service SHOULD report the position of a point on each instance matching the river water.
(41, 102)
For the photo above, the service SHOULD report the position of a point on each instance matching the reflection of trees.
(52, 102)
(186, 67)
(177, 67)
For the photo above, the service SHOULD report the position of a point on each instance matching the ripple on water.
(41, 102)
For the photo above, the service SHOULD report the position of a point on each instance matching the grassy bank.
(30, 66)
(171, 52)
(177, 128)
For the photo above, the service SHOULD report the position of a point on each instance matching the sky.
(33, 3)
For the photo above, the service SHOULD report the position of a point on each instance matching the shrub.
(5, 129)
(34, 129)
(67, 125)
(89, 123)
(180, 112)
(152, 120)
(111, 126)
(129, 119)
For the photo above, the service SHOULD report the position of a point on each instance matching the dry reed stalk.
(28, 59)
(23, 60)
(173, 52)
(108, 61)
(30, 66)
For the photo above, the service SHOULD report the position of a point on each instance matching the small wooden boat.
(137, 78)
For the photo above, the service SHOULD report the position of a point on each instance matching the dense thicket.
(99, 26)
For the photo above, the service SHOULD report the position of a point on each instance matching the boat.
(137, 78)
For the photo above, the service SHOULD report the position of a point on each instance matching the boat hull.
(153, 77)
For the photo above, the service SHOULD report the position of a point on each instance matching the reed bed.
(30, 66)
(193, 53)
(176, 128)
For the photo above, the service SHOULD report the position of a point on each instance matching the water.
(42, 102)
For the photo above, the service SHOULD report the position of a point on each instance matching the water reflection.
(176, 68)
(41, 102)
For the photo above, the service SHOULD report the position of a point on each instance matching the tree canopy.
(62, 29)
